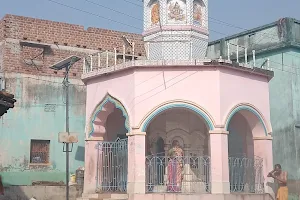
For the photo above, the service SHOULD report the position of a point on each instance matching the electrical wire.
(140, 29)
(267, 35)
(90, 13)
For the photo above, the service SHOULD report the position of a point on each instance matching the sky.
(225, 17)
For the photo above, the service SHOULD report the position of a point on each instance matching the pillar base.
(220, 188)
(136, 188)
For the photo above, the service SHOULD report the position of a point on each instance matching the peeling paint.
(28, 120)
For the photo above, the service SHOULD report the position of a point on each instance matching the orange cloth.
(282, 193)
(1, 187)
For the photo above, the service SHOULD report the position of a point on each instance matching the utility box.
(79, 180)
(79, 177)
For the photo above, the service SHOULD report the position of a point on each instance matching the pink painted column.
(219, 162)
(90, 165)
(263, 149)
(136, 163)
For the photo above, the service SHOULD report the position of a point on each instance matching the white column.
(136, 163)
(219, 162)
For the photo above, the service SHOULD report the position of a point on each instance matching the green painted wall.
(285, 108)
(31, 119)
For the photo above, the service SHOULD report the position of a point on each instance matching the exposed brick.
(50, 32)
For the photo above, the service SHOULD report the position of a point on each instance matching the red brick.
(18, 27)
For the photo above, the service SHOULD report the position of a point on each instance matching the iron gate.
(112, 166)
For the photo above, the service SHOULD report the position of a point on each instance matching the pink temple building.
(176, 123)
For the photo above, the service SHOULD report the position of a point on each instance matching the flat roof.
(177, 63)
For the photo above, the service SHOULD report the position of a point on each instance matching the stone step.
(103, 197)
(108, 199)
(84, 198)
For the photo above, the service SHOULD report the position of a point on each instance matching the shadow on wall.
(38, 192)
(13, 194)
(79, 155)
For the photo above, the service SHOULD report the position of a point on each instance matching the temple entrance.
(112, 153)
(177, 155)
(245, 168)
(113, 161)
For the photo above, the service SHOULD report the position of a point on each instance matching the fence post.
(133, 51)
(91, 56)
(237, 53)
(115, 56)
(148, 50)
(228, 51)
(99, 60)
(124, 49)
(191, 50)
(106, 58)
(254, 61)
(246, 56)
(84, 66)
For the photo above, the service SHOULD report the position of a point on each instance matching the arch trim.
(143, 125)
(251, 109)
(107, 98)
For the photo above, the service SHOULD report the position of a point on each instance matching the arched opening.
(245, 163)
(110, 124)
(177, 152)
(115, 126)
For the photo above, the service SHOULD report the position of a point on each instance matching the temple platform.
(176, 197)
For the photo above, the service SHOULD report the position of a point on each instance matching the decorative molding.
(136, 133)
(263, 138)
(94, 139)
(99, 108)
(251, 109)
(224, 132)
(176, 104)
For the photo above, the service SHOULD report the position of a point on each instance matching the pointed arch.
(100, 107)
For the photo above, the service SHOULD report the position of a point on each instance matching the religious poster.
(197, 13)
(155, 14)
(176, 11)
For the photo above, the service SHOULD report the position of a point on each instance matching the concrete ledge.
(200, 196)
(39, 192)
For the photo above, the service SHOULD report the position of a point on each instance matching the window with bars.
(39, 151)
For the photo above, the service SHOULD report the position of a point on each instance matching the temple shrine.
(176, 125)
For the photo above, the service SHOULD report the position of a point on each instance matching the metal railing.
(187, 174)
(112, 162)
(246, 174)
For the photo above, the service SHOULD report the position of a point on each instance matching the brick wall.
(19, 58)
(1, 29)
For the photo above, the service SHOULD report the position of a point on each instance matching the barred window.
(40, 151)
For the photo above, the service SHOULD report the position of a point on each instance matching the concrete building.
(177, 125)
(29, 148)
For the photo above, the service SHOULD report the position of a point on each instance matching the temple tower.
(176, 29)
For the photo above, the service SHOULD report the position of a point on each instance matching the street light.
(66, 137)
